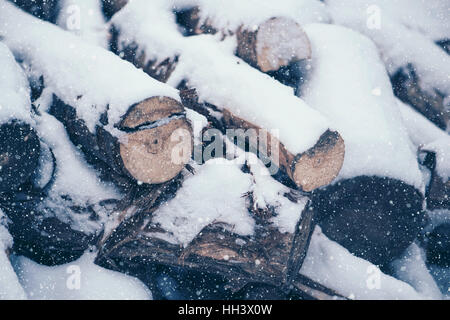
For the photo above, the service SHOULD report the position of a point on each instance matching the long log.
(42, 9)
(374, 193)
(432, 149)
(419, 79)
(138, 131)
(275, 43)
(239, 105)
(20, 147)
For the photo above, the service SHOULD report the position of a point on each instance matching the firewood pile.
(226, 147)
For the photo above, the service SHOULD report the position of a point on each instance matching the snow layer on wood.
(335, 267)
(231, 14)
(269, 193)
(85, 19)
(348, 84)
(234, 85)
(73, 178)
(14, 89)
(429, 17)
(426, 136)
(78, 280)
(10, 287)
(401, 39)
(214, 194)
(412, 269)
(84, 76)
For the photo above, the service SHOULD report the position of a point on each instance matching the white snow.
(426, 136)
(404, 35)
(85, 19)
(10, 288)
(62, 282)
(254, 97)
(84, 76)
(214, 194)
(411, 268)
(14, 89)
(348, 84)
(335, 267)
(231, 14)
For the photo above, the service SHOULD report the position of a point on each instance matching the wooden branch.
(275, 43)
(42, 9)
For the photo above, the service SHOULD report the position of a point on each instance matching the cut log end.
(277, 43)
(19, 154)
(320, 165)
(159, 151)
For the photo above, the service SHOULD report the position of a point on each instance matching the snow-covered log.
(85, 19)
(43, 9)
(432, 146)
(110, 7)
(380, 185)
(405, 32)
(245, 228)
(19, 147)
(118, 115)
(306, 149)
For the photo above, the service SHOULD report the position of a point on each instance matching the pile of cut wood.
(206, 141)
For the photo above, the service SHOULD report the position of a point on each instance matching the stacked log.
(310, 165)
(418, 79)
(20, 147)
(127, 132)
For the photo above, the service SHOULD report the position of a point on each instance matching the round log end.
(279, 42)
(320, 165)
(158, 154)
(19, 154)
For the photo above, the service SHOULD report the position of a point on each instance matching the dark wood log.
(438, 191)
(19, 154)
(39, 235)
(146, 153)
(266, 47)
(374, 218)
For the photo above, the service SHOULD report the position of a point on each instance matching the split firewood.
(418, 67)
(432, 146)
(307, 150)
(110, 7)
(137, 131)
(43, 9)
(20, 146)
(222, 241)
(380, 192)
